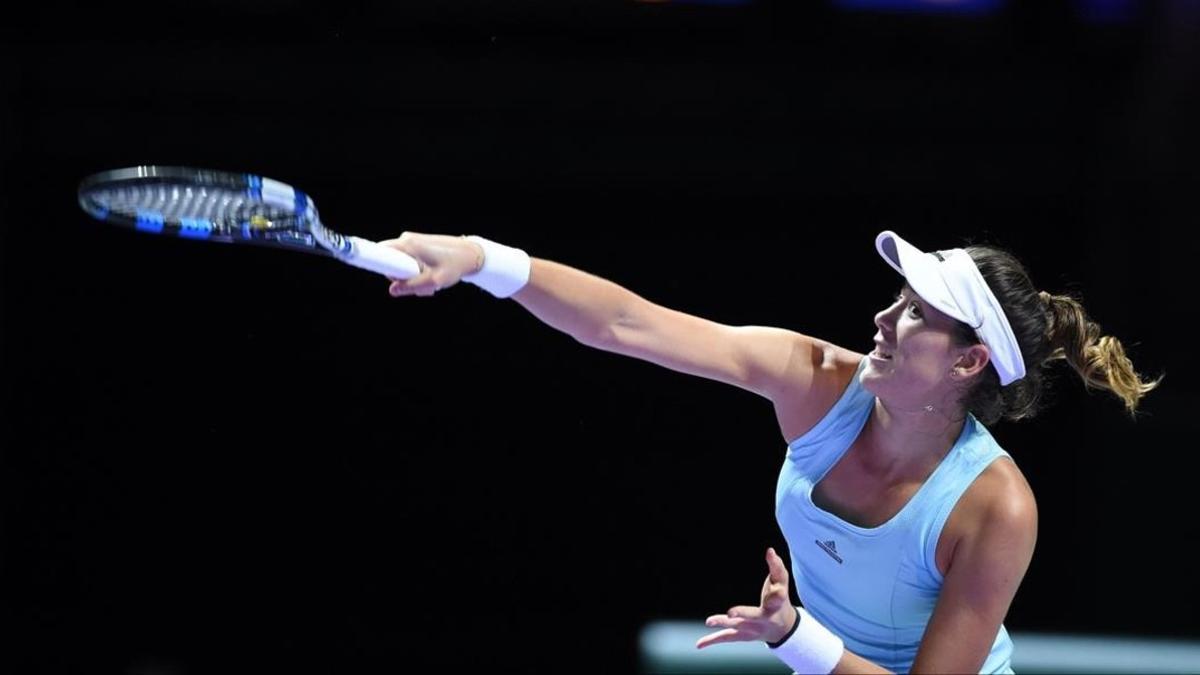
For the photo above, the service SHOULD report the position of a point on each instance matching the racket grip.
(385, 260)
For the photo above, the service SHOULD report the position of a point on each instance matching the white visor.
(951, 282)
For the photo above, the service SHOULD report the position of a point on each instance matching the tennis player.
(909, 528)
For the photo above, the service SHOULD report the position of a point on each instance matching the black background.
(219, 459)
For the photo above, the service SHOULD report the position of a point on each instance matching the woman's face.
(914, 355)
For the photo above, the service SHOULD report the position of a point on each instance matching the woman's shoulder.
(1000, 494)
(834, 370)
(1002, 485)
(842, 363)
(999, 504)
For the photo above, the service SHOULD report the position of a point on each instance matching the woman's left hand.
(770, 621)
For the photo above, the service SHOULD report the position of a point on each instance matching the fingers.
(437, 261)
(428, 282)
(775, 587)
(778, 571)
(723, 621)
(423, 285)
(743, 612)
(726, 635)
(743, 623)
(402, 288)
(739, 624)
(401, 241)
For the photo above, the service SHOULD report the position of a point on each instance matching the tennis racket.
(232, 208)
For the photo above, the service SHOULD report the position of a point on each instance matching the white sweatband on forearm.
(505, 269)
(811, 648)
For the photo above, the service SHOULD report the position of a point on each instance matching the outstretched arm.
(604, 315)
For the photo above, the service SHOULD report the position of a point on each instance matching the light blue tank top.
(875, 587)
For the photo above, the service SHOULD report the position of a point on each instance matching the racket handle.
(385, 260)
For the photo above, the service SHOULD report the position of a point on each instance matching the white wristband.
(505, 269)
(812, 648)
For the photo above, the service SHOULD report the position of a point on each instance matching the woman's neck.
(899, 444)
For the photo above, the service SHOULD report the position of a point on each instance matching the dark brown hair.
(1048, 328)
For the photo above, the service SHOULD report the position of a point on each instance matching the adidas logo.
(831, 548)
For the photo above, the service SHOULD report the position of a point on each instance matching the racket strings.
(175, 201)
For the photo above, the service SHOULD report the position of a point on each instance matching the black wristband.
(795, 625)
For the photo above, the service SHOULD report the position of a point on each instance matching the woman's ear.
(972, 361)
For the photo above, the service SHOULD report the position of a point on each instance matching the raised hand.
(769, 621)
